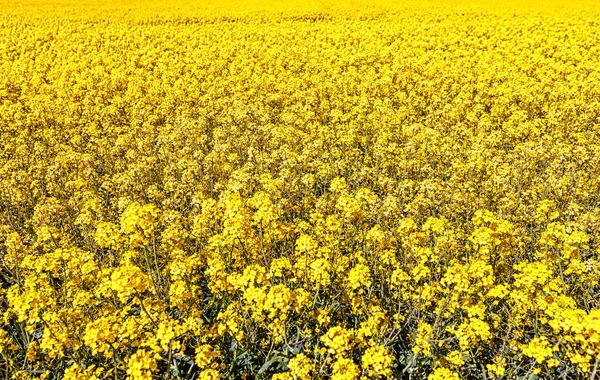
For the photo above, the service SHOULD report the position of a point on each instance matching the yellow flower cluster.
(305, 189)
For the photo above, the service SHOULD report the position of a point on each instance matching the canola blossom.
(248, 189)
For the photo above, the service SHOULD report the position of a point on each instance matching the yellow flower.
(205, 354)
(129, 280)
(301, 367)
(377, 361)
(140, 365)
(139, 222)
(443, 374)
(359, 277)
(455, 358)
(209, 374)
(338, 185)
(344, 369)
(338, 340)
(107, 235)
(422, 340)
(538, 348)
(498, 368)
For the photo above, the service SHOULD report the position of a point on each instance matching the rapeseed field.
(315, 189)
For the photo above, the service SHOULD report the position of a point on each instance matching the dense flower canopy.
(298, 190)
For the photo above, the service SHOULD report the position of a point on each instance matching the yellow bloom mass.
(299, 189)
